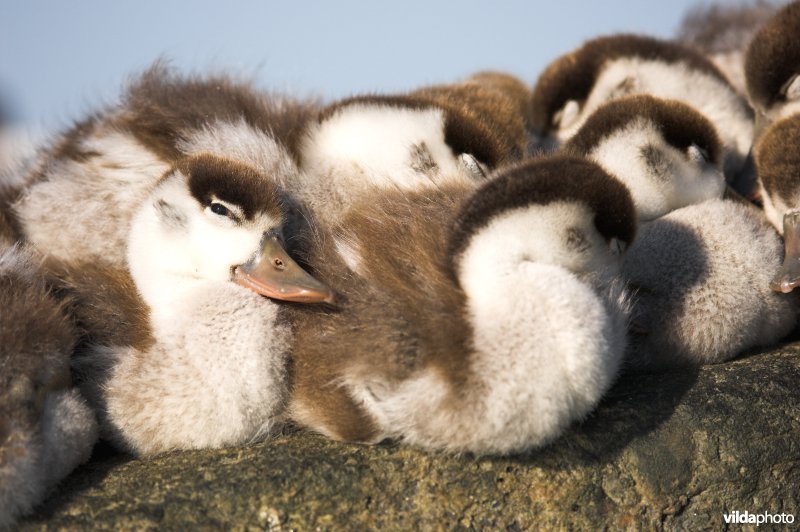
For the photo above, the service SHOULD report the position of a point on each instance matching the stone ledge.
(668, 450)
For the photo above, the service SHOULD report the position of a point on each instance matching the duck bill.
(788, 277)
(274, 274)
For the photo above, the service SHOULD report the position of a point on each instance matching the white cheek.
(217, 247)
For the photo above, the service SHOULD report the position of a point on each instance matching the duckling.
(204, 247)
(777, 159)
(700, 275)
(108, 163)
(46, 427)
(772, 67)
(666, 152)
(575, 85)
(420, 139)
(454, 302)
(722, 33)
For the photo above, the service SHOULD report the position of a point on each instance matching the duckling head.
(666, 152)
(772, 67)
(212, 219)
(563, 211)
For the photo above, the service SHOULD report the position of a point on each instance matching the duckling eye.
(220, 209)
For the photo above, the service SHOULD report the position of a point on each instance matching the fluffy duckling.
(777, 159)
(772, 67)
(46, 427)
(202, 247)
(575, 85)
(454, 305)
(421, 139)
(722, 33)
(109, 163)
(697, 266)
(700, 275)
(666, 152)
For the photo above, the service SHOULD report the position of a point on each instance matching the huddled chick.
(773, 82)
(182, 187)
(772, 67)
(572, 87)
(425, 138)
(46, 427)
(202, 247)
(454, 301)
(698, 259)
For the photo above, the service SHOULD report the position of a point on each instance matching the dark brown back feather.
(402, 316)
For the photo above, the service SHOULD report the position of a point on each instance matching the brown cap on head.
(773, 57)
(679, 124)
(572, 76)
(211, 176)
(545, 180)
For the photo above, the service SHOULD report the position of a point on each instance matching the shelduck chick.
(202, 247)
(417, 140)
(481, 322)
(772, 67)
(46, 427)
(777, 158)
(575, 85)
(722, 32)
(700, 277)
(667, 153)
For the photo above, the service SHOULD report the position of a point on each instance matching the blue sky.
(59, 59)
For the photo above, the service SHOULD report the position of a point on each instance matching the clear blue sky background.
(59, 58)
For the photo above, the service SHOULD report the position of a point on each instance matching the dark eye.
(220, 209)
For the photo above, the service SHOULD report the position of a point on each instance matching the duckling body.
(469, 369)
(46, 427)
(701, 280)
(417, 140)
(575, 85)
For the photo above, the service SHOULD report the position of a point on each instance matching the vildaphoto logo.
(742, 518)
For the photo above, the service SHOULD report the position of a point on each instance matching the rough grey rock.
(663, 451)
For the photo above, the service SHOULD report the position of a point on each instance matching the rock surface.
(663, 451)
